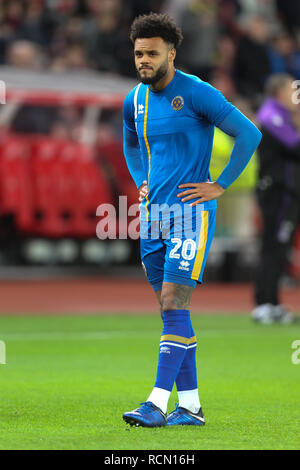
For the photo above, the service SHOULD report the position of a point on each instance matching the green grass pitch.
(68, 380)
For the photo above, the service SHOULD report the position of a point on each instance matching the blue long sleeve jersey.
(168, 138)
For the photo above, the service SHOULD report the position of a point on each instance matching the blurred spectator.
(143, 8)
(37, 23)
(236, 214)
(10, 20)
(200, 29)
(223, 82)
(175, 8)
(252, 65)
(278, 193)
(229, 10)
(13, 11)
(74, 58)
(106, 40)
(289, 12)
(67, 123)
(68, 32)
(263, 8)
(283, 55)
(24, 54)
(72, 29)
(64, 7)
(226, 52)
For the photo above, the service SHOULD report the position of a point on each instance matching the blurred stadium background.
(67, 65)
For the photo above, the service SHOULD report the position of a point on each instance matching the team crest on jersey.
(177, 103)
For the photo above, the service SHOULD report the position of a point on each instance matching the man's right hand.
(143, 190)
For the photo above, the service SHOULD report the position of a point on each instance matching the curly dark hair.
(156, 25)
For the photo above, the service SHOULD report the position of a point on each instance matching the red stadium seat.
(111, 153)
(15, 183)
(66, 187)
(53, 187)
(69, 186)
(45, 174)
(92, 189)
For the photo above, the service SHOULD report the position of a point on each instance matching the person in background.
(284, 55)
(201, 31)
(24, 55)
(289, 13)
(278, 193)
(105, 38)
(252, 65)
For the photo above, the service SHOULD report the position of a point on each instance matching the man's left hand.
(204, 191)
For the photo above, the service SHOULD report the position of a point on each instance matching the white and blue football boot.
(183, 417)
(147, 415)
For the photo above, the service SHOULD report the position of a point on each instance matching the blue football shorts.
(176, 251)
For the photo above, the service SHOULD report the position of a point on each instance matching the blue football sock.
(187, 375)
(173, 346)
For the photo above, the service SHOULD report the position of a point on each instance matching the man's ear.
(172, 54)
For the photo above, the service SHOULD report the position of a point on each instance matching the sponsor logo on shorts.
(184, 265)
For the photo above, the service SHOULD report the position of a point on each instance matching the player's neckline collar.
(163, 90)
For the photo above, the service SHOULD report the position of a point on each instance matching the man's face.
(152, 59)
(285, 95)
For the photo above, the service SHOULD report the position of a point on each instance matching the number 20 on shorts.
(188, 249)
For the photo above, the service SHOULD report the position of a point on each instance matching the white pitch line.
(57, 335)
(88, 335)
(108, 335)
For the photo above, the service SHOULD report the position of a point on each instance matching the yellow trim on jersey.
(178, 339)
(201, 246)
(147, 146)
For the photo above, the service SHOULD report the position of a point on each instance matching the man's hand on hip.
(143, 191)
(204, 191)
